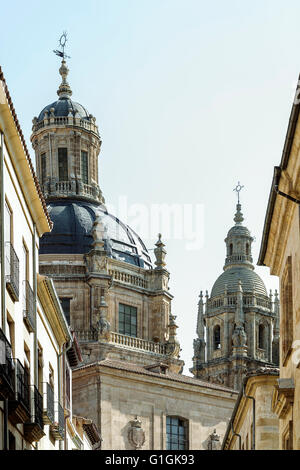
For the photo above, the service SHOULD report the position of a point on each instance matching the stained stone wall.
(113, 393)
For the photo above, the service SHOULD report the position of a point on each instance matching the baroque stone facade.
(238, 324)
(116, 300)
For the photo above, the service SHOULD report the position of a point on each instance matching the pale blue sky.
(190, 97)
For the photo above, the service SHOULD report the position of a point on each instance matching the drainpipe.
(34, 288)
(2, 209)
(35, 340)
(236, 434)
(276, 188)
(3, 283)
(253, 411)
(64, 351)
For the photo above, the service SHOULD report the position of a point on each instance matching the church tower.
(237, 326)
(115, 298)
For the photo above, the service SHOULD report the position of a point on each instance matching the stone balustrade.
(57, 121)
(125, 341)
(128, 278)
(137, 343)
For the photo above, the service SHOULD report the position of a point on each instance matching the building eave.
(20, 157)
(293, 121)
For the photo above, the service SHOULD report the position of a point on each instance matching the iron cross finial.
(62, 43)
(238, 189)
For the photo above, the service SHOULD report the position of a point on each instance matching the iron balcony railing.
(37, 407)
(48, 411)
(28, 306)
(7, 383)
(61, 420)
(22, 387)
(57, 429)
(12, 271)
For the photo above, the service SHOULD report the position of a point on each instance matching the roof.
(74, 352)
(230, 279)
(73, 222)
(276, 176)
(21, 136)
(169, 376)
(62, 107)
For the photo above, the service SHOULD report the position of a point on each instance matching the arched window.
(63, 164)
(261, 336)
(230, 248)
(84, 167)
(247, 249)
(177, 433)
(217, 337)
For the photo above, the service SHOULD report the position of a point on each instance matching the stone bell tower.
(237, 326)
(67, 143)
(114, 297)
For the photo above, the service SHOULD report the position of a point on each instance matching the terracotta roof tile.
(168, 376)
(15, 117)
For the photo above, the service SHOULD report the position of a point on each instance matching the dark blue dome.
(71, 234)
(62, 107)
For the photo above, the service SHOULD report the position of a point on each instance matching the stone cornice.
(283, 397)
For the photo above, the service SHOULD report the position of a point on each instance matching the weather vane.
(62, 43)
(238, 189)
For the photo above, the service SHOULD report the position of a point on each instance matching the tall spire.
(200, 325)
(64, 90)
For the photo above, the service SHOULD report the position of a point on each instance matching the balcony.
(12, 271)
(132, 342)
(57, 429)
(48, 409)
(19, 405)
(28, 306)
(7, 383)
(34, 428)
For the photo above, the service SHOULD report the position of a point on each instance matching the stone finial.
(160, 253)
(99, 231)
(271, 295)
(200, 325)
(64, 90)
(173, 346)
(238, 218)
(239, 316)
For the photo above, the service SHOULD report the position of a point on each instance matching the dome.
(239, 230)
(62, 107)
(230, 278)
(72, 233)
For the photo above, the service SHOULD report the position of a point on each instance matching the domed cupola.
(238, 263)
(235, 323)
(67, 144)
(238, 243)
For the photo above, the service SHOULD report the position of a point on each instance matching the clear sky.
(190, 97)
